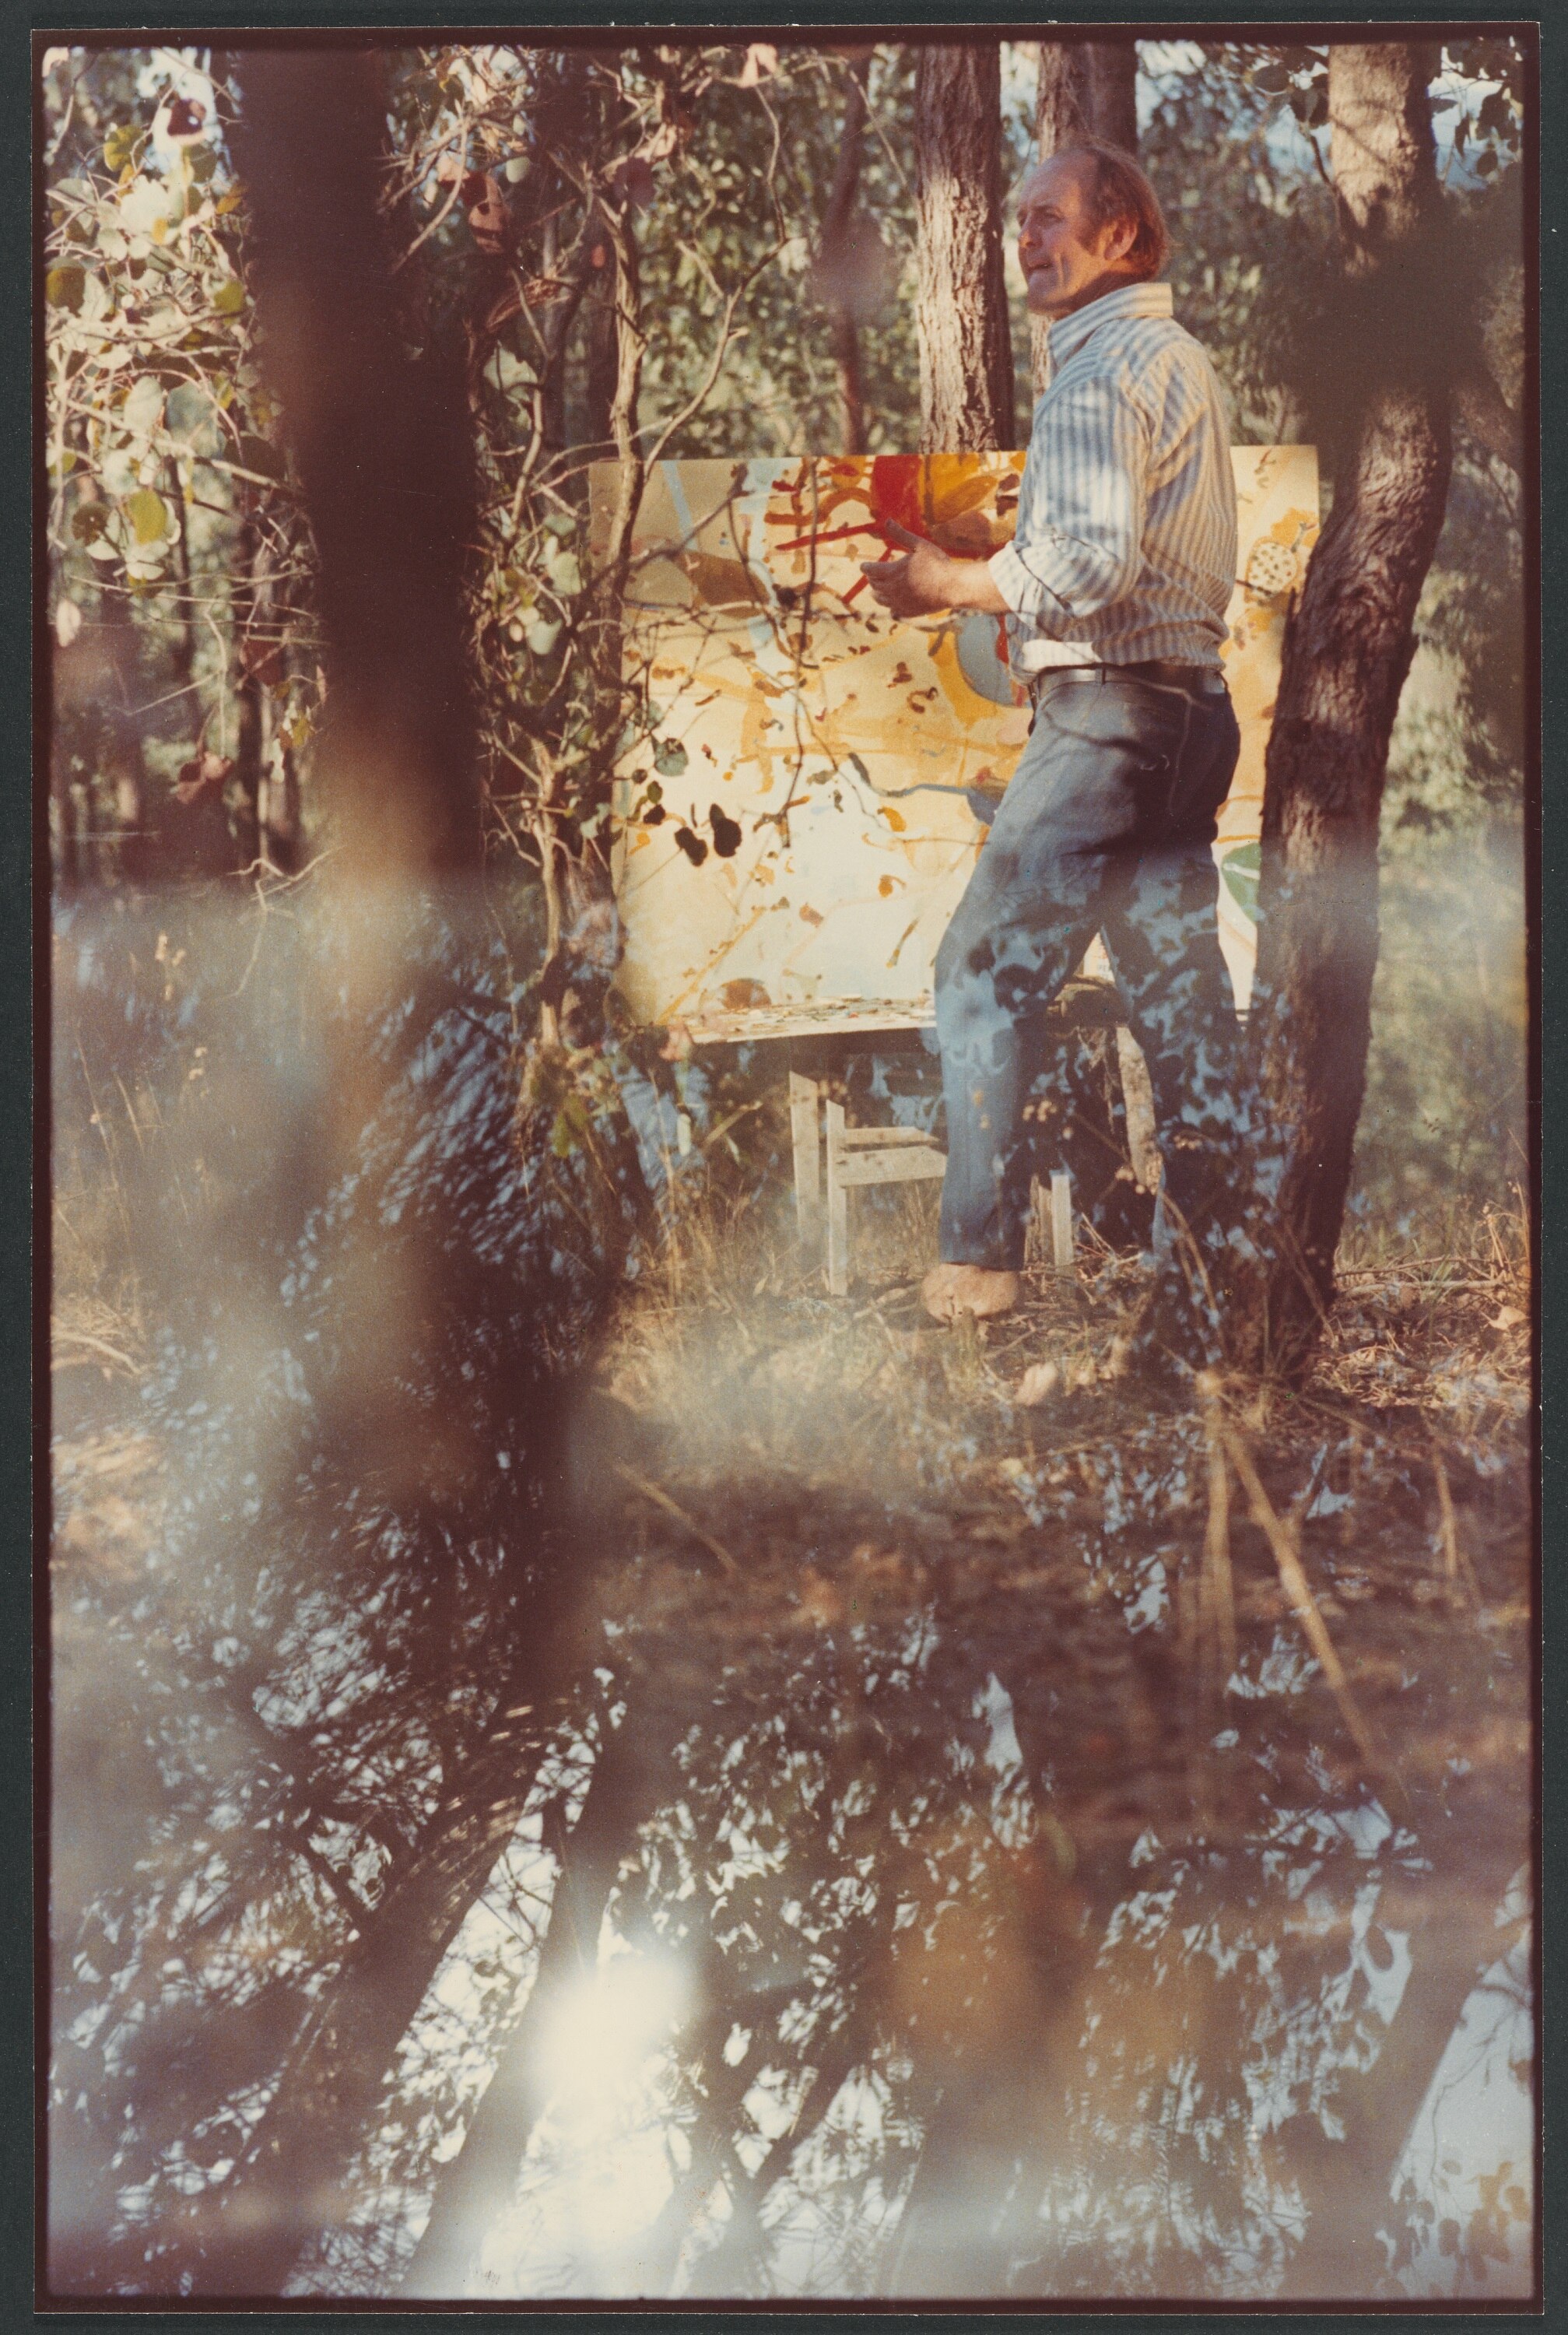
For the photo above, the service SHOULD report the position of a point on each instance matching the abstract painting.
(796, 829)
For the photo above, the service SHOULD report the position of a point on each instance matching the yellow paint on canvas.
(844, 743)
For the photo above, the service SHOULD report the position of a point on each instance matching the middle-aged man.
(1116, 586)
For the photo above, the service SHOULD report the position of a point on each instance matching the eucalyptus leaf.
(124, 144)
(149, 515)
(143, 409)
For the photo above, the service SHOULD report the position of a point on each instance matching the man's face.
(1065, 260)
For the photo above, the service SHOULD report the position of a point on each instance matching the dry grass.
(1384, 1502)
(796, 1460)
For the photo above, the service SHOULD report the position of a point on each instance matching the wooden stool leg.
(808, 1145)
(1061, 1220)
(838, 1207)
(1137, 1093)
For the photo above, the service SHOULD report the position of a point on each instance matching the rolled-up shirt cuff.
(1021, 589)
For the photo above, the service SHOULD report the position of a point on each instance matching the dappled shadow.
(581, 1769)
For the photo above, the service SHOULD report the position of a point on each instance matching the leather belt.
(1202, 680)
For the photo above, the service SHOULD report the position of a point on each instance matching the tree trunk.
(476, 2187)
(967, 403)
(1083, 85)
(1347, 648)
(1112, 70)
(734, 2267)
(381, 448)
(836, 261)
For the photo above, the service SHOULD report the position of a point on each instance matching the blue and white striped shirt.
(1125, 543)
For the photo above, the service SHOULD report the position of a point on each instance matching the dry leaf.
(489, 219)
(1039, 1381)
(265, 662)
(634, 183)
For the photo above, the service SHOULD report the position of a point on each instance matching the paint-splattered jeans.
(1106, 826)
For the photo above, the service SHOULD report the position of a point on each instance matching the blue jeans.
(1105, 828)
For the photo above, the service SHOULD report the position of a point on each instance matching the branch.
(678, 420)
(348, 1900)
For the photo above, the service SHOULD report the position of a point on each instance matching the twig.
(661, 1499)
(1218, 1609)
(1305, 1605)
(99, 1346)
(349, 1901)
(443, 211)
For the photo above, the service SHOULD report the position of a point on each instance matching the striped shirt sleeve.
(1079, 544)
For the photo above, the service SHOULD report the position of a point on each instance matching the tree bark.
(1083, 86)
(966, 402)
(1347, 648)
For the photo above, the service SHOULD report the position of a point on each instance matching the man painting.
(1115, 587)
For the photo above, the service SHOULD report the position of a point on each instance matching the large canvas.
(810, 775)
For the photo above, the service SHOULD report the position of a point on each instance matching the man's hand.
(928, 580)
(917, 586)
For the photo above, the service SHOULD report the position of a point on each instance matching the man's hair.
(1116, 188)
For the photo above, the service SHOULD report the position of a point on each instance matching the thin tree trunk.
(587, 943)
(476, 2187)
(834, 252)
(967, 403)
(130, 761)
(733, 2267)
(603, 354)
(1083, 86)
(1347, 648)
(1111, 73)
(277, 779)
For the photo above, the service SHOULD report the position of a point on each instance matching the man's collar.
(1141, 298)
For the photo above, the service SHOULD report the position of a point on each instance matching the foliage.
(1237, 144)
(178, 556)
(521, 179)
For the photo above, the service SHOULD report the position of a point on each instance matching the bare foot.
(950, 1289)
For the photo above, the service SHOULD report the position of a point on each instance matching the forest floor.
(1185, 1623)
(770, 1464)
(762, 1408)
